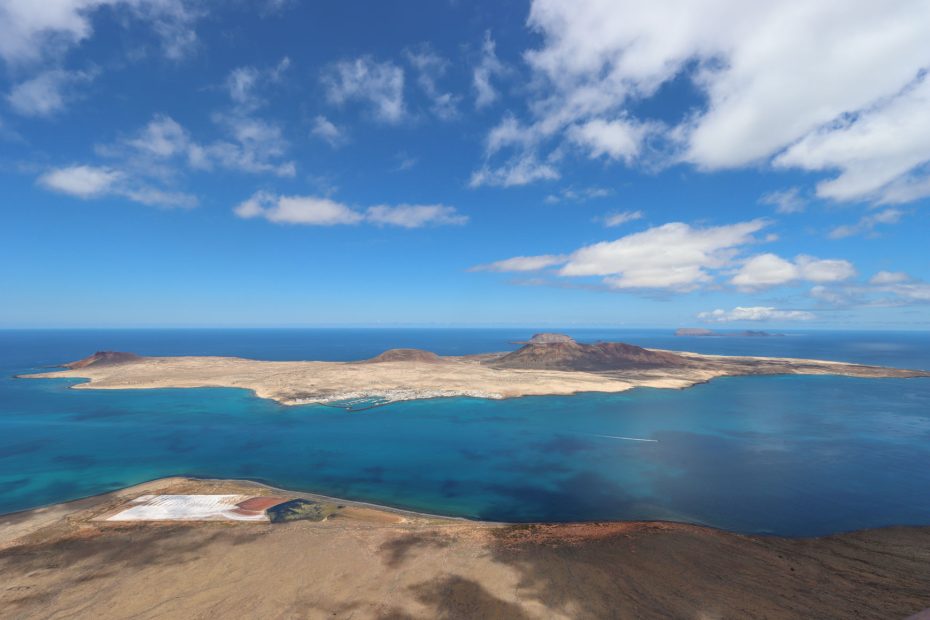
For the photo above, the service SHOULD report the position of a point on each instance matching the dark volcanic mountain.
(104, 358)
(406, 355)
(566, 354)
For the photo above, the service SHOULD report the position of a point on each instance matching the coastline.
(378, 562)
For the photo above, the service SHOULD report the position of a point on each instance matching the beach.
(370, 562)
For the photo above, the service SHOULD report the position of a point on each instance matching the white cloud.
(523, 263)
(94, 182)
(671, 257)
(889, 277)
(162, 137)
(766, 270)
(755, 313)
(307, 210)
(617, 139)
(48, 92)
(31, 30)
(275, 7)
(243, 83)
(518, 172)
(872, 149)
(430, 68)
(155, 152)
(404, 162)
(677, 257)
(257, 146)
(380, 84)
(81, 181)
(674, 256)
(414, 216)
(785, 201)
(623, 217)
(840, 85)
(885, 288)
(327, 131)
(317, 211)
(570, 194)
(487, 69)
(867, 223)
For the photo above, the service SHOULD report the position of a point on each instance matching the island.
(548, 364)
(703, 331)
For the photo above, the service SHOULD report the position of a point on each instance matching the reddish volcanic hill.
(104, 358)
(406, 355)
(566, 354)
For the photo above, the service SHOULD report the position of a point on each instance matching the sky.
(710, 163)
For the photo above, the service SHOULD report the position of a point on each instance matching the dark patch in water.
(25, 447)
(80, 461)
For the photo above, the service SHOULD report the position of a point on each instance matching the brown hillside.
(602, 356)
(104, 358)
(406, 355)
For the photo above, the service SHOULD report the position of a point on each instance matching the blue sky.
(199, 163)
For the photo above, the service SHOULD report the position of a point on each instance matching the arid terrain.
(550, 364)
(363, 562)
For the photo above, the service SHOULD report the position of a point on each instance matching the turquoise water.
(788, 455)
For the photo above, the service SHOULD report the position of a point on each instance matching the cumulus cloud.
(619, 219)
(430, 68)
(414, 216)
(484, 73)
(31, 31)
(379, 84)
(830, 86)
(885, 288)
(889, 277)
(317, 211)
(245, 84)
(523, 263)
(570, 194)
(867, 223)
(329, 132)
(81, 181)
(672, 257)
(256, 146)
(754, 313)
(517, 172)
(95, 182)
(767, 270)
(617, 139)
(785, 201)
(47, 93)
(155, 154)
(873, 149)
(308, 210)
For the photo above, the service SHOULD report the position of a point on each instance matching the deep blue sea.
(788, 455)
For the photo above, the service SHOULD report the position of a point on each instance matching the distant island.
(548, 364)
(702, 331)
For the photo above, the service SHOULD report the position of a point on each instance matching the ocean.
(796, 456)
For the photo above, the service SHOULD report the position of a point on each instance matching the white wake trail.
(626, 438)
